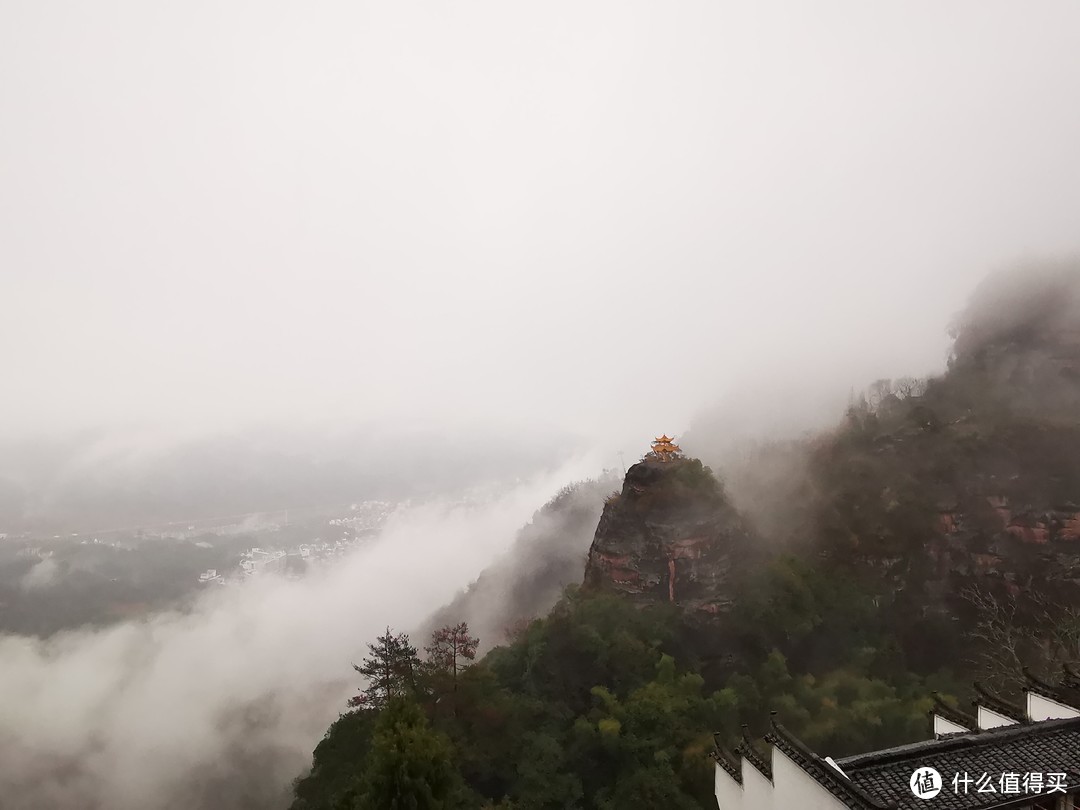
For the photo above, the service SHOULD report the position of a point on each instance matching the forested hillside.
(601, 705)
(931, 537)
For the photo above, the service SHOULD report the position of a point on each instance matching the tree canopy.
(603, 704)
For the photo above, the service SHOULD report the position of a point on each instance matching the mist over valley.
(527, 399)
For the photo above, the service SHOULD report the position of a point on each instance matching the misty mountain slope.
(924, 490)
(612, 698)
(548, 554)
(930, 492)
(973, 482)
(926, 496)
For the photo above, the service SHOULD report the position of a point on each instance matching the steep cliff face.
(975, 481)
(670, 535)
(1018, 546)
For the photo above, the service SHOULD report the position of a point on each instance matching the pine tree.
(450, 650)
(410, 766)
(390, 668)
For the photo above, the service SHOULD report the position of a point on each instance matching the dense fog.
(220, 706)
(281, 256)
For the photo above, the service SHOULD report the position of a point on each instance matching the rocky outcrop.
(670, 535)
(1027, 550)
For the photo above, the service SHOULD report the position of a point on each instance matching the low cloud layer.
(221, 707)
(595, 215)
(41, 575)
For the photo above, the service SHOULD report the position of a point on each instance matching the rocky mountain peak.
(670, 535)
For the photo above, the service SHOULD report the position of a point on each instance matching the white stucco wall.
(1041, 708)
(729, 793)
(943, 726)
(990, 719)
(794, 787)
(791, 787)
(757, 790)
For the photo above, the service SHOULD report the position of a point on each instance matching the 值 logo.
(926, 783)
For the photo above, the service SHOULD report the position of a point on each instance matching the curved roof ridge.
(991, 736)
(750, 753)
(821, 771)
(1051, 691)
(727, 760)
(1035, 680)
(997, 704)
(953, 714)
(1039, 686)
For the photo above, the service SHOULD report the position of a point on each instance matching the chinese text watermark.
(926, 783)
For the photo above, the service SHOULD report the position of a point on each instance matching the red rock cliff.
(670, 535)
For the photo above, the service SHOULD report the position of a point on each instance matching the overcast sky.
(590, 215)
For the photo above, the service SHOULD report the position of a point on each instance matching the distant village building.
(256, 561)
(1002, 756)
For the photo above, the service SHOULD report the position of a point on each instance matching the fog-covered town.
(339, 537)
(50, 583)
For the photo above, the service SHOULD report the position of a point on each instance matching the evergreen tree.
(331, 782)
(450, 651)
(410, 766)
(391, 668)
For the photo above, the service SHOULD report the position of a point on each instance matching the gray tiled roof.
(1050, 746)
(849, 794)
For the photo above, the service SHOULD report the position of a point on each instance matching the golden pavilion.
(664, 449)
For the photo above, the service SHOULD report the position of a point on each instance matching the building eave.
(726, 760)
(1049, 691)
(748, 751)
(957, 741)
(953, 715)
(820, 771)
(996, 704)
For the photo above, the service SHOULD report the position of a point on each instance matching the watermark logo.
(926, 783)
